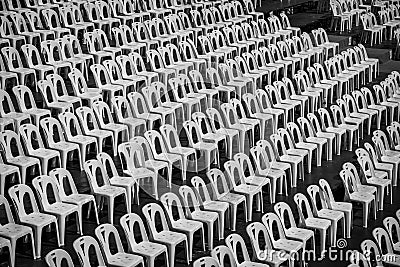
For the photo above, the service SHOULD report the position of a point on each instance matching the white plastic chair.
(58, 257)
(240, 186)
(164, 235)
(73, 134)
(12, 232)
(222, 193)
(218, 126)
(393, 228)
(193, 212)
(149, 250)
(316, 195)
(385, 245)
(104, 191)
(7, 111)
(83, 245)
(378, 179)
(352, 194)
(156, 142)
(35, 219)
(209, 204)
(43, 184)
(174, 146)
(296, 161)
(115, 179)
(180, 223)
(344, 207)
(105, 233)
(281, 242)
(369, 247)
(64, 182)
(285, 214)
(48, 157)
(308, 220)
(210, 150)
(122, 110)
(50, 98)
(262, 247)
(332, 142)
(150, 162)
(9, 140)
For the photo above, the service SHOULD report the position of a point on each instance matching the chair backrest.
(193, 133)
(103, 113)
(189, 198)
(303, 207)
(170, 136)
(46, 186)
(234, 173)
(223, 254)
(131, 156)
(31, 137)
(285, 214)
(7, 105)
(327, 192)
(201, 189)
(236, 244)
(106, 233)
(154, 214)
(171, 202)
(369, 248)
(218, 182)
(64, 181)
(84, 246)
(317, 197)
(108, 164)
(58, 257)
(206, 262)
(259, 238)
(155, 141)
(383, 240)
(93, 168)
(393, 228)
(273, 224)
(130, 223)
(53, 130)
(18, 194)
(10, 144)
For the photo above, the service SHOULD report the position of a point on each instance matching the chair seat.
(205, 146)
(14, 231)
(8, 169)
(187, 225)
(287, 245)
(232, 198)
(23, 161)
(78, 199)
(362, 197)
(38, 219)
(330, 214)
(342, 206)
(247, 189)
(16, 116)
(109, 190)
(64, 146)
(128, 181)
(295, 159)
(317, 140)
(149, 249)
(44, 153)
(202, 216)
(124, 259)
(183, 150)
(156, 164)
(214, 137)
(60, 208)
(318, 223)
(299, 233)
(257, 180)
(215, 205)
(169, 237)
(379, 181)
(336, 130)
